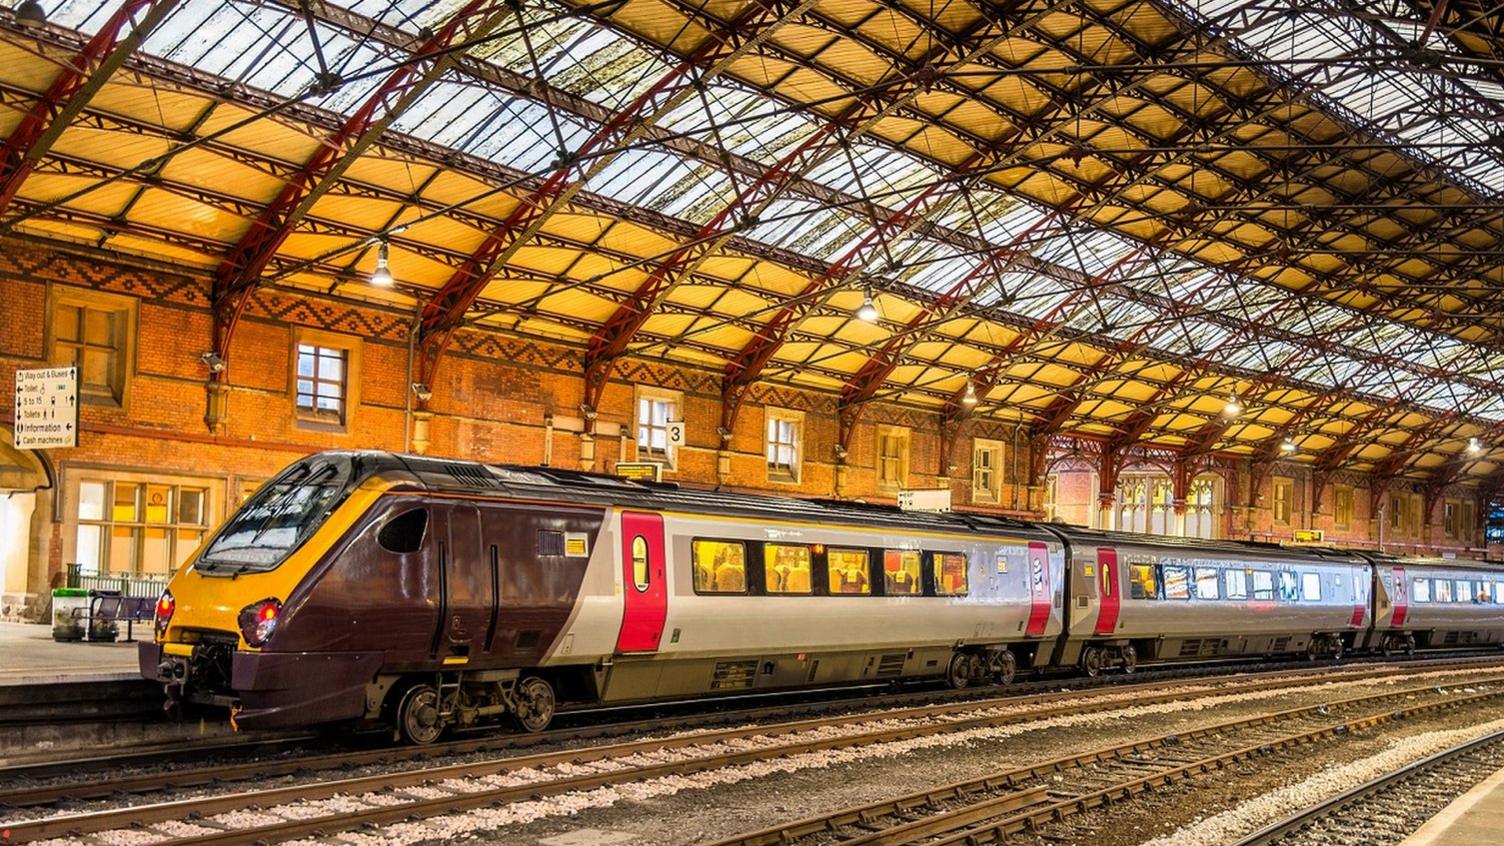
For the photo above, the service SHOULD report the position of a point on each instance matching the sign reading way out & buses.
(47, 408)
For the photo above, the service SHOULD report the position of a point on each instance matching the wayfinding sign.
(47, 408)
(935, 501)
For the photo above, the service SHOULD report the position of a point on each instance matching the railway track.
(1027, 799)
(1390, 807)
(52, 790)
(273, 813)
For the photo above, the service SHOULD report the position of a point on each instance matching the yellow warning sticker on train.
(576, 544)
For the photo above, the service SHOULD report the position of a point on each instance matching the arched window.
(1161, 512)
(1200, 508)
(1133, 505)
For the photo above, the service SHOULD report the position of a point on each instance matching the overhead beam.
(80, 80)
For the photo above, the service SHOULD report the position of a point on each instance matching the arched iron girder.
(723, 46)
(79, 81)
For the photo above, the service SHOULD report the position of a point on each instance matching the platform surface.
(1476, 818)
(29, 655)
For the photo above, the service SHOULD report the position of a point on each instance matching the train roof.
(554, 484)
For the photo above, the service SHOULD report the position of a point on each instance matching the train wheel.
(1091, 662)
(534, 704)
(958, 675)
(1130, 659)
(1007, 668)
(418, 718)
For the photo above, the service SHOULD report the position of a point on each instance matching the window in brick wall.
(986, 471)
(1052, 497)
(326, 373)
(785, 444)
(1342, 507)
(95, 332)
(656, 408)
(1450, 512)
(892, 457)
(1284, 499)
(132, 526)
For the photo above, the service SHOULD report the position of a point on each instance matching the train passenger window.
(1263, 584)
(404, 533)
(640, 563)
(1498, 593)
(1310, 587)
(1464, 591)
(1177, 582)
(1442, 590)
(901, 572)
(848, 571)
(1141, 584)
(1206, 583)
(1288, 590)
(950, 573)
(1235, 583)
(1421, 591)
(786, 568)
(720, 566)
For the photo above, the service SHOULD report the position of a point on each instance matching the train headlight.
(258, 621)
(165, 606)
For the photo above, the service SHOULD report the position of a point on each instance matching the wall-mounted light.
(868, 311)
(381, 277)
(213, 361)
(422, 392)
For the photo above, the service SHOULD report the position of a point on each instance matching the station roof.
(1109, 217)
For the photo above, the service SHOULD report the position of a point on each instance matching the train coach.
(425, 594)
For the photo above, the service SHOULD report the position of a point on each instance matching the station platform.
(1476, 818)
(29, 656)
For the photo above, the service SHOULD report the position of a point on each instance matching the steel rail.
(975, 810)
(1274, 832)
(75, 825)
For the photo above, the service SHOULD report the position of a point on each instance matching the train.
(424, 595)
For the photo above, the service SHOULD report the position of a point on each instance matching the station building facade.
(159, 464)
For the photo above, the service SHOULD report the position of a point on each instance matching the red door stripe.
(1039, 590)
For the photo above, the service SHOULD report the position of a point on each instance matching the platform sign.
(935, 501)
(47, 408)
(640, 471)
(1309, 536)
(676, 433)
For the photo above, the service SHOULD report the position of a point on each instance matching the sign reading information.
(47, 408)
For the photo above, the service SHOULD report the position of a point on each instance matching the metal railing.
(126, 584)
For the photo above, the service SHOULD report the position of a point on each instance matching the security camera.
(213, 361)
(422, 392)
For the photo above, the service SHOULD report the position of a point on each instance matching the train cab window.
(720, 566)
(786, 568)
(640, 563)
(848, 571)
(404, 533)
(1236, 584)
(1141, 582)
(1442, 590)
(901, 572)
(1263, 585)
(1177, 582)
(1310, 587)
(950, 573)
(1289, 591)
(1420, 590)
(1206, 583)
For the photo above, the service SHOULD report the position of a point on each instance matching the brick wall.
(492, 400)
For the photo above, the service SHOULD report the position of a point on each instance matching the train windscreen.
(277, 518)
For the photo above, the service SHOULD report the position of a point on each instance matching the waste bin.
(65, 625)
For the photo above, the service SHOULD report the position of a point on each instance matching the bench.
(109, 609)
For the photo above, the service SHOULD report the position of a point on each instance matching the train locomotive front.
(347, 590)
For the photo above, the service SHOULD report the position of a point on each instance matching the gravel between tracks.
(933, 759)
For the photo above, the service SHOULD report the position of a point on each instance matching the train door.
(464, 582)
(1400, 596)
(1360, 601)
(1107, 569)
(644, 580)
(1039, 590)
